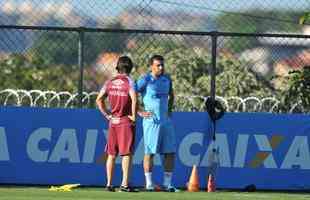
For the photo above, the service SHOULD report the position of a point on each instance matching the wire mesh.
(252, 71)
(40, 60)
(187, 58)
(259, 67)
(195, 15)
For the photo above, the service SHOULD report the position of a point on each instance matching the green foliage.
(56, 48)
(298, 90)
(255, 21)
(189, 69)
(62, 47)
(305, 18)
(20, 72)
(233, 79)
(146, 47)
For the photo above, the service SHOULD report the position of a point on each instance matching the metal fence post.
(81, 66)
(214, 36)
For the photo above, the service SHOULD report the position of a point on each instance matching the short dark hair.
(156, 57)
(124, 65)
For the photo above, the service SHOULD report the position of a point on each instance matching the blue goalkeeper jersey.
(155, 94)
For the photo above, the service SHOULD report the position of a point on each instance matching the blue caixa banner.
(60, 146)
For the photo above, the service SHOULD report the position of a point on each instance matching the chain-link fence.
(247, 72)
(58, 54)
(254, 16)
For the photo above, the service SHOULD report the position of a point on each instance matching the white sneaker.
(170, 188)
(150, 188)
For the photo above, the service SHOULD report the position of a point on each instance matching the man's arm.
(142, 113)
(141, 83)
(171, 99)
(140, 86)
(133, 97)
(100, 101)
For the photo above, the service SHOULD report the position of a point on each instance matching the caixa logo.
(47, 145)
(43, 145)
(273, 151)
(247, 151)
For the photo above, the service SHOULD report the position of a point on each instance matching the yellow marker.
(64, 188)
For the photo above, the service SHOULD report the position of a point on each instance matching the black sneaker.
(109, 188)
(127, 189)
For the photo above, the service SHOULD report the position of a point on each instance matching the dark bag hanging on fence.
(214, 109)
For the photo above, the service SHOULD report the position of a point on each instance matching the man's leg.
(150, 137)
(110, 169)
(125, 138)
(148, 166)
(126, 165)
(169, 149)
(168, 167)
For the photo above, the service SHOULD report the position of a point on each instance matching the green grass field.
(30, 193)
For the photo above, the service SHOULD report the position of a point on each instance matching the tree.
(189, 67)
(62, 47)
(21, 72)
(235, 79)
(255, 21)
(298, 91)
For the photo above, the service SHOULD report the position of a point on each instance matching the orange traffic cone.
(193, 184)
(211, 184)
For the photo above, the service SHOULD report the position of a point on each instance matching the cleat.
(153, 188)
(109, 188)
(127, 189)
(149, 189)
(170, 189)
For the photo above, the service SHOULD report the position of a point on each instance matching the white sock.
(167, 179)
(148, 179)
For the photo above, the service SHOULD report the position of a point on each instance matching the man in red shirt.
(122, 115)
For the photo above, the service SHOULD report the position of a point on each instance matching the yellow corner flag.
(64, 188)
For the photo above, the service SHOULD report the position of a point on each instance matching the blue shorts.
(158, 137)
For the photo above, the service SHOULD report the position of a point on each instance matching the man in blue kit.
(156, 90)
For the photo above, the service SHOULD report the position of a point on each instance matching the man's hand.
(108, 116)
(145, 114)
(132, 118)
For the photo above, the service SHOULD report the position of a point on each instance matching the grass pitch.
(31, 193)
